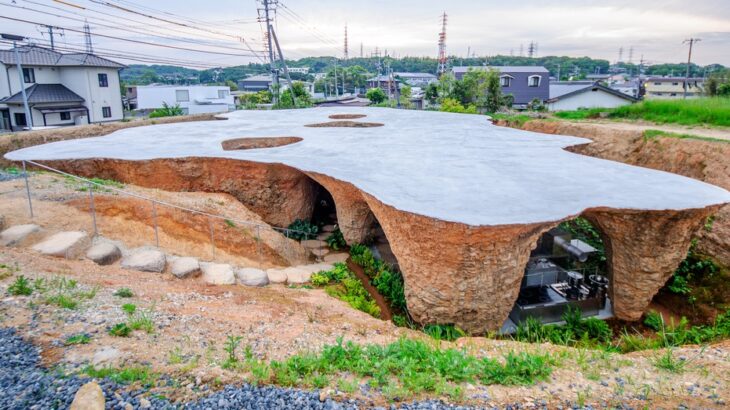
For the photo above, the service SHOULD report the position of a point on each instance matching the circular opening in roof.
(257, 142)
(346, 124)
(346, 116)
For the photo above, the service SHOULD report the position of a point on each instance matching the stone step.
(69, 244)
(145, 260)
(320, 253)
(218, 273)
(276, 275)
(184, 267)
(336, 257)
(19, 234)
(252, 277)
(104, 253)
(314, 244)
(323, 236)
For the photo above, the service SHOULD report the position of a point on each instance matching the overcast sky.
(654, 29)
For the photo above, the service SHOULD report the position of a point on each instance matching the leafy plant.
(386, 280)
(124, 293)
(444, 332)
(129, 308)
(142, 320)
(21, 287)
(654, 320)
(335, 240)
(63, 301)
(167, 111)
(230, 346)
(302, 230)
(341, 283)
(667, 361)
(120, 330)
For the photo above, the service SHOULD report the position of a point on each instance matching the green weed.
(667, 361)
(120, 330)
(78, 339)
(129, 308)
(123, 375)
(124, 293)
(21, 287)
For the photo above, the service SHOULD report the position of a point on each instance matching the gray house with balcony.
(524, 83)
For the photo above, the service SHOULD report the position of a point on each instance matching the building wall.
(520, 89)
(43, 75)
(588, 99)
(84, 81)
(672, 89)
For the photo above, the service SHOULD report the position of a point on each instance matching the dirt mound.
(258, 142)
(346, 116)
(345, 124)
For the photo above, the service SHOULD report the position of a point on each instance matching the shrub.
(335, 240)
(452, 105)
(375, 95)
(167, 111)
(120, 330)
(302, 230)
(21, 287)
(342, 284)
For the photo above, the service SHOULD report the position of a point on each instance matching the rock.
(320, 253)
(67, 245)
(184, 267)
(18, 234)
(276, 275)
(298, 275)
(89, 397)
(328, 229)
(145, 260)
(104, 253)
(336, 257)
(144, 403)
(252, 277)
(314, 244)
(218, 273)
(106, 354)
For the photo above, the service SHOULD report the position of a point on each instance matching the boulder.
(89, 397)
(145, 260)
(252, 277)
(218, 273)
(298, 274)
(336, 257)
(184, 267)
(104, 253)
(67, 245)
(276, 275)
(107, 354)
(16, 235)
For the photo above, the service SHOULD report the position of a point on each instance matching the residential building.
(573, 95)
(193, 99)
(62, 88)
(631, 88)
(298, 70)
(255, 83)
(523, 83)
(417, 79)
(672, 87)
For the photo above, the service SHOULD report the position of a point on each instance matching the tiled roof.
(504, 69)
(35, 56)
(45, 93)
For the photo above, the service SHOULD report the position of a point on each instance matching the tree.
(375, 95)
(432, 93)
(494, 100)
(718, 84)
(232, 85)
(405, 97)
(303, 99)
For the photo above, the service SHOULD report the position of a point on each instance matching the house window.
(222, 93)
(106, 112)
(20, 120)
(28, 75)
(657, 83)
(675, 83)
(65, 116)
(182, 95)
(103, 80)
(673, 94)
(533, 81)
(505, 81)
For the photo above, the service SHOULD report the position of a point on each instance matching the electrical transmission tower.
(631, 55)
(345, 51)
(532, 50)
(691, 42)
(87, 38)
(442, 46)
(620, 55)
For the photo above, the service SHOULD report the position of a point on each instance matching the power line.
(136, 41)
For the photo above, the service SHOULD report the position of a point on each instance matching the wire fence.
(282, 242)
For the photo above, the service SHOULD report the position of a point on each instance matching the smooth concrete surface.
(454, 167)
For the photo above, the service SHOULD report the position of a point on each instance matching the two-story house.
(523, 83)
(62, 88)
(672, 87)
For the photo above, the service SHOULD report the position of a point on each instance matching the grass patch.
(63, 292)
(124, 293)
(513, 120)
(651, 134)
(120, 330)
(21, 287)
(582, 114)
(78, 339)
(129, 308)
(341, 283)
(667, 361)
(123, 375)
(97, 185)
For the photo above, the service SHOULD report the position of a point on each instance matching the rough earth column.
(643, 249)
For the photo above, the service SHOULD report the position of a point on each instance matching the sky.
(654, 30)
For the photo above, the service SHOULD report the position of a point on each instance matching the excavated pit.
(257, 142)
(346, 116)
(345, 124)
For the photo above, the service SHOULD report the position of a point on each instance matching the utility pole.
(286, 70)
(442, 46)
(87, 38)
(15, 39)
(337, 92)
(274, 71)
(631, 55)
(361, 55)
(346, 51)
(691, 42)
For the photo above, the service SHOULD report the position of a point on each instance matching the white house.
(572, 95)
(193, 99)
(62, 89)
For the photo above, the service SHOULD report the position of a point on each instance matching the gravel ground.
(26, 385)
(8, 176)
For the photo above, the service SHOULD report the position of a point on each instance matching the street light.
(14, 39)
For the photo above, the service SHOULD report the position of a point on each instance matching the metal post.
(154, 219)
(258, 243)
(27, 190)
(93, 208)
(212, 238)
(29, 117)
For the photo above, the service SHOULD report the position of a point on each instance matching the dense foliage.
(336, 240)
(341, 283)
(167, 111)
(386, 280)
(375, 95)
(301, 230)
(300, 99)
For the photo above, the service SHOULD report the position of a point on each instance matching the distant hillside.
(566, 66)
